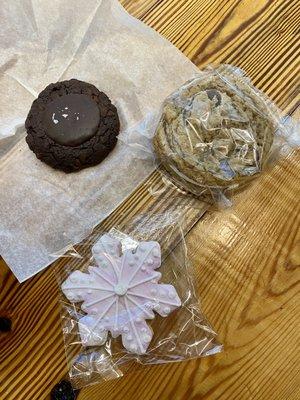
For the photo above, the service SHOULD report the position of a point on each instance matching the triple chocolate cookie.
(72, 125)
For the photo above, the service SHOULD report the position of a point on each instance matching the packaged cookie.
(216, 133)
(128, 300)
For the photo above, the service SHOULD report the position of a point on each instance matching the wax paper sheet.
(43, 211)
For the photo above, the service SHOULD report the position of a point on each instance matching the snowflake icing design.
(120, 293)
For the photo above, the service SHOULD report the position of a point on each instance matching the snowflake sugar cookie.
(120, 293)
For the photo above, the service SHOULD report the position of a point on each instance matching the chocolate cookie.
(72, 125)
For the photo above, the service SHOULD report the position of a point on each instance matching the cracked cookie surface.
(72, 125)
(215, 133)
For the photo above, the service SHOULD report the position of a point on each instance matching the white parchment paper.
(43, 211)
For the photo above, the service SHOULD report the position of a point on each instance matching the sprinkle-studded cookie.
(72, 125)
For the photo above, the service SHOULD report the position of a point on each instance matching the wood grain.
(246, 258)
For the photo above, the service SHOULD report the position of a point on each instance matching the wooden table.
(245, 258)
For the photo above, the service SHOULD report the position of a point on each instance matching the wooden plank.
(245, 258)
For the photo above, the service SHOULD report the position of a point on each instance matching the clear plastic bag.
(218, 132)
(160, 323)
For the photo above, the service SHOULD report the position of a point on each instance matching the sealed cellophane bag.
(128, 300)
(218, 132)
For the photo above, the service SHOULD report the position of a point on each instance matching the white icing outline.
(123, 310)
